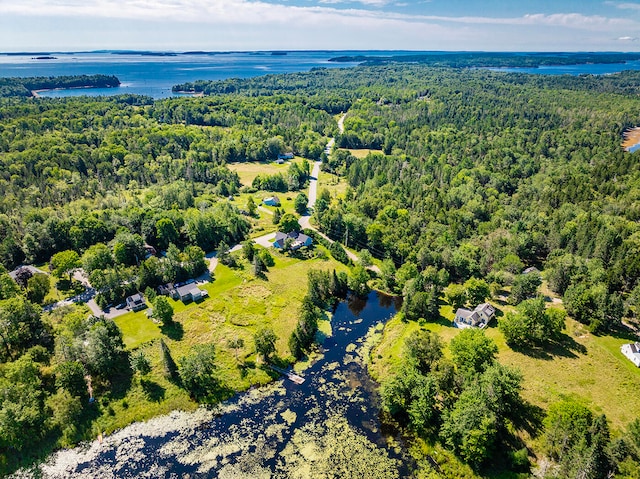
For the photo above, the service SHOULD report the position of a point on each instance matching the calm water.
(275, 431)
(155, 75)
(587, 69)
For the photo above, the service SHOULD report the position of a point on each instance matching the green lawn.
(249, 170)
(335, 184)
(587, 367)
(238, 305)
(362, 152)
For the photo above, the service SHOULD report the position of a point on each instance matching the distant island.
(25, 87)
(44, 58)
(491, 60)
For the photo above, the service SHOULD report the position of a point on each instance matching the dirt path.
(265, 210)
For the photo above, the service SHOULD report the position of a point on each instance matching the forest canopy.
(470, 177)
(24, 87)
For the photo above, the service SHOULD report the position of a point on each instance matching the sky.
(238, 25)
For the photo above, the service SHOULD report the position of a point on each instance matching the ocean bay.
(153, 74)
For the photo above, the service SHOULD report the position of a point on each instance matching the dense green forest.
(472, 177)
(24, 87)
(493, 60)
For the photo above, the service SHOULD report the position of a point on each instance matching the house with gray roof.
(136, 302)
(478, 318)
(185, 292)
(298, 240)
(190, 292)
(271, 201)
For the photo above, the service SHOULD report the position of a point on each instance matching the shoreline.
(631, 138)
(36, 93)
(197, 94)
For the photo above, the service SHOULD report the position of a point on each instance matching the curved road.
(304, 221)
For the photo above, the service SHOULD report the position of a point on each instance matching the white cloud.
(373, 3)
(257, 12)
(258, 24)
(626, 6)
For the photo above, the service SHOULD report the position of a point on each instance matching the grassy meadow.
(584, 366)
(248, 170)
(238, 305)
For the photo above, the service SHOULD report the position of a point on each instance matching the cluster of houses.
(478, 318)
(185, 292)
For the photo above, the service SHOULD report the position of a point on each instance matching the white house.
(485, 311)
(632, 352)
(478, 318)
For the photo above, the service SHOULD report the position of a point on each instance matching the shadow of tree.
(173, 330)
(152, 390)
(214, 393)
(621, 331)
(243, 368)
(119, 383)
(528, 417)
(564, 346)
(442, 321)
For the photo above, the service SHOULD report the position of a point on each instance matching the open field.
(586, 367)
(250, 169)
(238, 305)
(335, 184)
(362, 152)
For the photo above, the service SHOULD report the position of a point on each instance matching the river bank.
(279, 430)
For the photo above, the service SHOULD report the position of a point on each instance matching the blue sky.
(490, 25)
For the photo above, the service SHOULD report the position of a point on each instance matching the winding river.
(326, 427)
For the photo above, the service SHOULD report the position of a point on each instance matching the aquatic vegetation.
(319, 450)
(325, 428)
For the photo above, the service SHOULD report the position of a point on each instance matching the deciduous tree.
(265, 341)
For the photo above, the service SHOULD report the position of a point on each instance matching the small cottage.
(632, 352)
(272, 201)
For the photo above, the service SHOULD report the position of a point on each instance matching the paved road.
(304, 221)
(313, 194)
(340, 125)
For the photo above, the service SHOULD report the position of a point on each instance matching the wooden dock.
(289, 374)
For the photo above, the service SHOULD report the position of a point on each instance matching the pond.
(326, 427)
